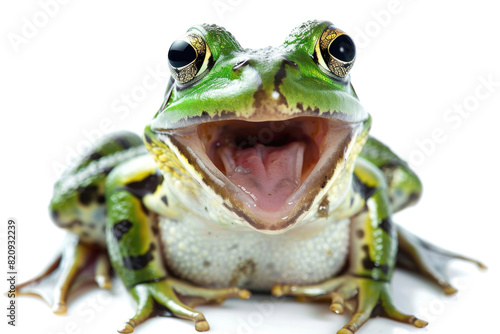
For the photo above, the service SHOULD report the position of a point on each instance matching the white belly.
(215, 256)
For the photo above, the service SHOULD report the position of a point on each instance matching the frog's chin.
(268, 173)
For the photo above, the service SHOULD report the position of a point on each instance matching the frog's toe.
(194, 295)
(173, 297)
(160, 299)
(427, 259)
(386, 308)
(145, 309)
(77, 265)
(362, 297)
(372, 300)
(166, 297)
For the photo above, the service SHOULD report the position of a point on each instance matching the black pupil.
(181, 53)
(343, 48)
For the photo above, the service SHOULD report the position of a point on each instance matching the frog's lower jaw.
(268, 173)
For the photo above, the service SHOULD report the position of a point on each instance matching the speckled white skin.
(219, 256)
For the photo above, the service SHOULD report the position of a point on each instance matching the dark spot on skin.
(360, 234)
(147, 139)
(101, 199)
(206, 209)
(54, 214)
(144, 208)
(164, 199)
(85, 234)
(139, 262)
(124, 143)
(120, 228)
(414, 197)
(258, 97)
(300, 106)
(87, 194)
(91, 226)
(233, 247)
(351, 201)
(278, 79)
(386, 225)
(324, 182)
(205, 114)
(206, 264)
(95, 156)
(378, 310)
(146, 186)
(270, 266)
(245, 269)
(155, 229)
(106, 171)
(362, 188)
(370, 265)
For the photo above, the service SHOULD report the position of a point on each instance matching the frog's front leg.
(132, 191)
(364, 289)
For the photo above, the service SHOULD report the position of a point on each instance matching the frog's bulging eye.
(189, 57)
(335, 52)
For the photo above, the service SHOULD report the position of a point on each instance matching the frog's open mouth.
(270, 172)
(267, 160)
(277, 163)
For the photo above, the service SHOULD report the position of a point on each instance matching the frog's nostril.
(291, 63)
(240, 64)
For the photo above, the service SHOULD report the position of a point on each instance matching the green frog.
(261, 176)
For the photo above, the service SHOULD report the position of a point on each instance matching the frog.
(257, 173)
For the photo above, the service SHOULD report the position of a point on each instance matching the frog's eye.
(335, 51)
(189, 57)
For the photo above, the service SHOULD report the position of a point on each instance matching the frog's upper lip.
(237, 161)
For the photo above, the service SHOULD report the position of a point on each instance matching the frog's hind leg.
(427, 259)
(78, 205)
(77, 265)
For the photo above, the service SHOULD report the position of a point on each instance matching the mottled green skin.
(78, 202)
(135, 189)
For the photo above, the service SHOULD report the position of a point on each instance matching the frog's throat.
(267, 173)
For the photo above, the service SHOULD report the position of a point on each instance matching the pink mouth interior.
(266, 160)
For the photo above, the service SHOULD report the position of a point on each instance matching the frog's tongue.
(268, 174)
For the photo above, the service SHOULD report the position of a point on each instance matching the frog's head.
(267, 132)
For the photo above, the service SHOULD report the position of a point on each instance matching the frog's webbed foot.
(173, 297)
(364, 298)
(76, 266)
(428, 260)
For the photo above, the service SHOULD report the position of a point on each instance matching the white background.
(69, 78)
